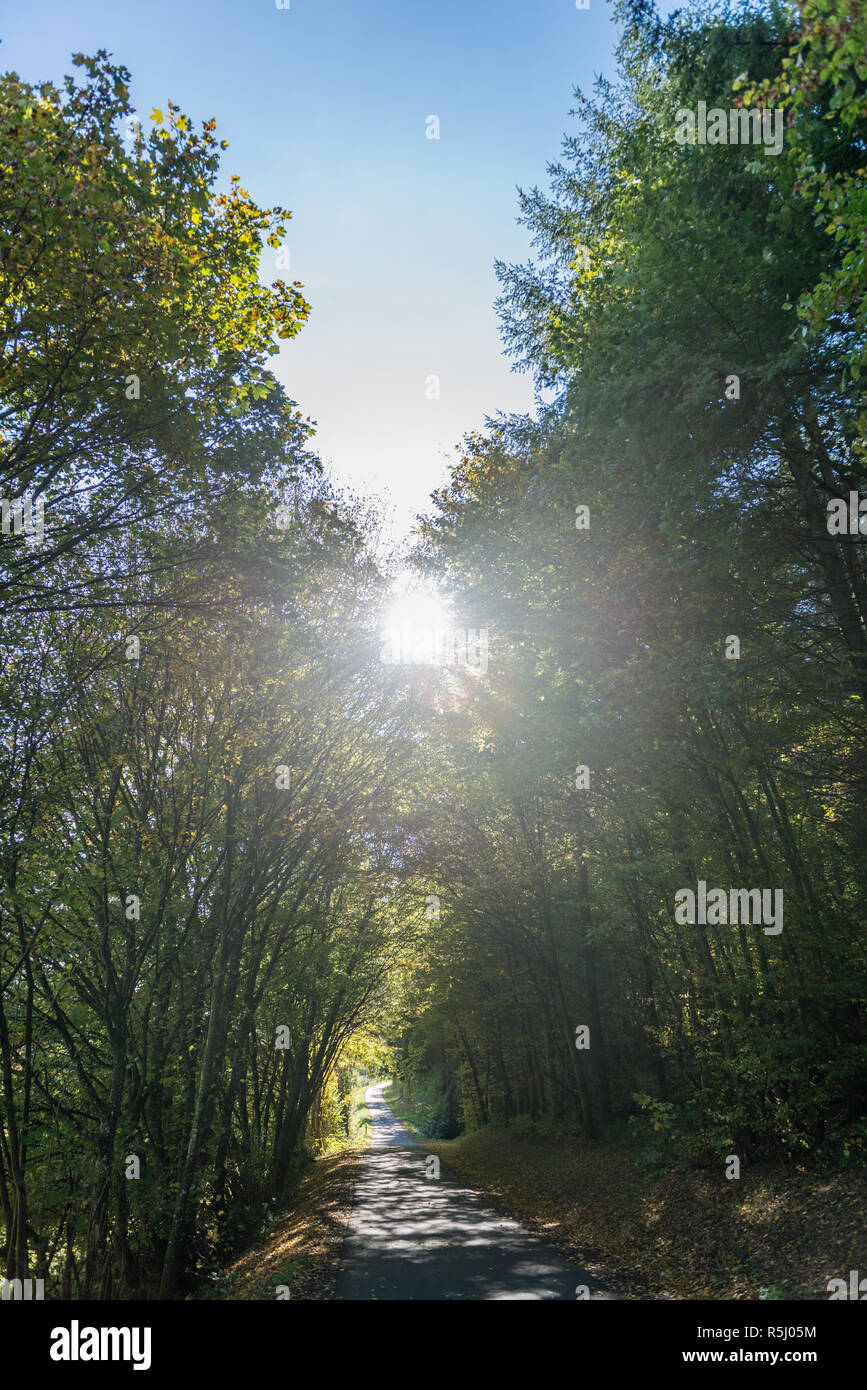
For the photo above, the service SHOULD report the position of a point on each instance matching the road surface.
(415, 1237)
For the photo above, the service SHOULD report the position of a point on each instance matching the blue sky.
(393, 235)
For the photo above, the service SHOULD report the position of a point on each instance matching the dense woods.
(241, 852)
(199, 746)
(697, 315)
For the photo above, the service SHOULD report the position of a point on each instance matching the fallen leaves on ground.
(776, 1232)
(303, 1249)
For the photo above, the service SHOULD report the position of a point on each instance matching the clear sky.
(393, 235)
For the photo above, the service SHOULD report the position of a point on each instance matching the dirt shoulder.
(302, 1251)
(777, 1232)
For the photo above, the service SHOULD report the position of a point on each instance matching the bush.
(440, 1126)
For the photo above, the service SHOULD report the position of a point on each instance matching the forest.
(599, 872)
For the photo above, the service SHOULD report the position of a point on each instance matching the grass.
(359, 1118)
(412, 1114)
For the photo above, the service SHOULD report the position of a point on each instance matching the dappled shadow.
(386, 1129)
(415, 1237)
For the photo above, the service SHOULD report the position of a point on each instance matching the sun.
(420, 629)
(416, 607)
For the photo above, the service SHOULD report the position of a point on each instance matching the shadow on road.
(415, 1237)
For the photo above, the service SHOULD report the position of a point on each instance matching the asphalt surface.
(411, 1236)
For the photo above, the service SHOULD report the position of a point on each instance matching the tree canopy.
(614, 880)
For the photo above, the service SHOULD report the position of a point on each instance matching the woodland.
(243, 859)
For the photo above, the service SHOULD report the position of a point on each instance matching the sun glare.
(417, 607)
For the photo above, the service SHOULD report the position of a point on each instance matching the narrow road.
(415, 1237)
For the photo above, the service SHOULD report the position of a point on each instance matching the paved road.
(414, 1237)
